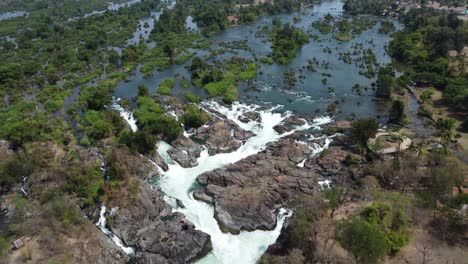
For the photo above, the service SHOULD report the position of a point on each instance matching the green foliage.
(221, 86)
(88, 186)
(97, 127)
(143, 90)
(333, 195)
(249, 73)
(364, 129)
(397, 112)
(184, 58)
(192, 97)
(386, 82)
(446, 129)
(387, 27)
(231, 95)
(150, 118)
(20, 123)
(286, 41)
(4, 247)
(138, 142)
(379, 230)
(423, 47)
(14, 170)
(324, 25)
(166, 86)
(184, 83)
(194, 117)
(343, 36)
(65, 211)
(426, 94)
(96, 97)
(365, 241)
(371, 7)
(464, 125)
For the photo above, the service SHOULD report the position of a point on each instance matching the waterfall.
(246, 247)
(102, 225)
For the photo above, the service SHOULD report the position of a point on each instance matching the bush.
(248, 73)
(4, 247)
(365, 241)
(143, 90)
(166, 86)
(231, 95)
(192, 97)
(363, 129)
(397, 112)
(464, 125)
(140, 142)
(194, 117)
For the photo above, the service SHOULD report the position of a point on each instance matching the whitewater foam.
(247, 247)
(125, 114)
(102, 225)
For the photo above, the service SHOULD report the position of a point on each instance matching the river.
(178, 182)
(309, 96)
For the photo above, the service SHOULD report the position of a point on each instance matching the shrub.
(4, 247)
(192, 97)
(194, 117)
(141, 141)
(363, 129)
(365, 241)
(397, 112)
(166, 86)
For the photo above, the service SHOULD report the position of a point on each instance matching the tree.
(194, 117)
(333, 195)
(446, 130)
(143, 90)
(464, 125)
(365, 241)
(363, 129)
(397, 112)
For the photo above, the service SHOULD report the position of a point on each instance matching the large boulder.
(245, 194)
(185, 152)
(222, 136)
(161, 235)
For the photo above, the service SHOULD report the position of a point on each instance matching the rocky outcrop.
(331, 165)
(141, 218)
(289, 124)
(158, 160)
(249, 117)
(185, 152)
(245, 194)
(222, 136)
(5, 151)
(161, 236)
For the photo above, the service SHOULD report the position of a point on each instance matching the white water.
(247, 247)
(102, 225)
(126, 115)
